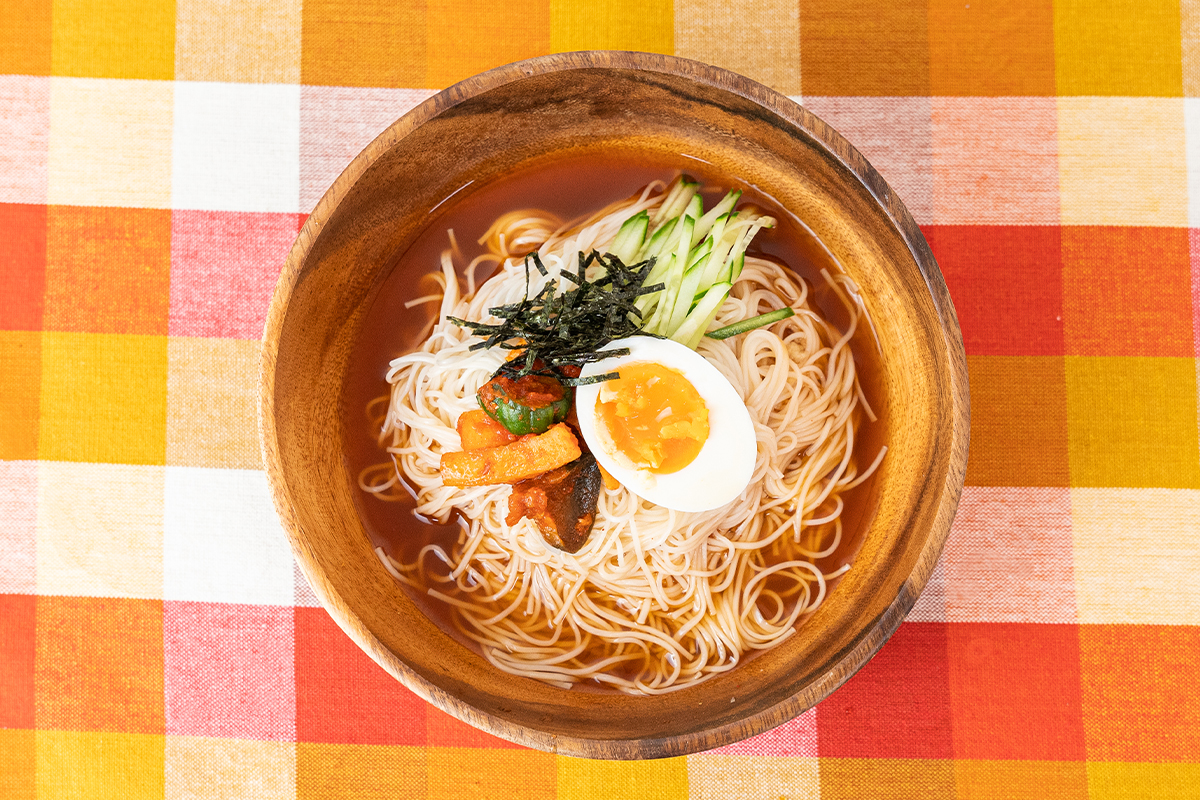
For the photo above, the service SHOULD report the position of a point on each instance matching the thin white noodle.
(656, 600)
(429, 298)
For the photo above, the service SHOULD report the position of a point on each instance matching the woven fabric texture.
(157, 158)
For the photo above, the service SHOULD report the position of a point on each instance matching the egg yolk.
(654, 417)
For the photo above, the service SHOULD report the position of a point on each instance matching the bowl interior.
(483, 129)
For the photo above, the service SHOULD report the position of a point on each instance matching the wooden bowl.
(484, 127)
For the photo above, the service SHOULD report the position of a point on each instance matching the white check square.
(236, 147)
(223, 542)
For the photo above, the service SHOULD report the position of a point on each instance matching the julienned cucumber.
(627, 241)
(750, 324)
(692, 330)
(697, 256)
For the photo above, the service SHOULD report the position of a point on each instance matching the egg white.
(725, 464)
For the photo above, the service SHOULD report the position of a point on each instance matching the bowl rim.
(870, 640)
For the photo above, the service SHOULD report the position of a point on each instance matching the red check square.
(22, 266)
(1127, 291)
(18, 623)
(897, 706)
(1007, 286)
(342, 696)
(1015, 691)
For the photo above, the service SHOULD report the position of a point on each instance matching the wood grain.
(484, 127)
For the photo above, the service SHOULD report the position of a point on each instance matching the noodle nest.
(656, 600)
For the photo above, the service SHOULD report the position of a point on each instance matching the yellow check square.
(99, 766)
(585, 779)
(104, 398)
(1134, 781)
(114, 39)
(1131, 422)
(612, 25)
(1118, 47)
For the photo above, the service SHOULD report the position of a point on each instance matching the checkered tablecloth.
(157, 158)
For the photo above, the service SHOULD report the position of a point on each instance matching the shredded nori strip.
(554, 331)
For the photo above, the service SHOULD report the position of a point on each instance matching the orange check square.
(18, 764)
(363, 43)
(1141, 700)
(467, 773)
(1018, 421)
(466, 37)
(20, 401)
(991, 48)
(446, 731)
(25, 38)
(1127, 291)
(1021, 780)
(887, 779)
(99, 664)
(108, 270)
(864, 47)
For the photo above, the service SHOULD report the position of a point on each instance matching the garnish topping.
(770, 318)
(557, 333)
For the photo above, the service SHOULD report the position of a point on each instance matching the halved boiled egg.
(671, 428)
